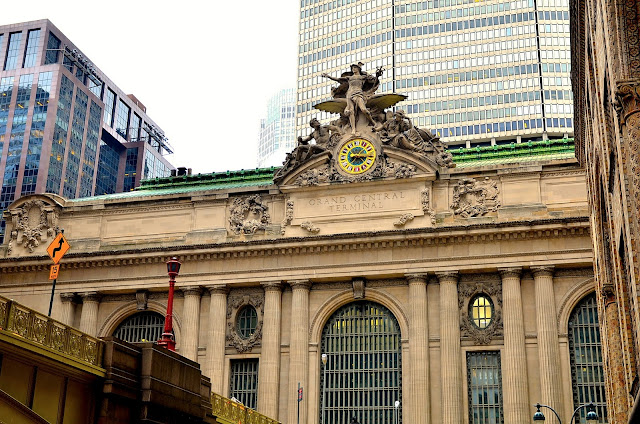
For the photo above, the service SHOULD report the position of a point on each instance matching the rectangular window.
(53, 50)
(244, 381)
(122, 119)
(11, 61)
(485, 387)
(31, 52)
(109, 105)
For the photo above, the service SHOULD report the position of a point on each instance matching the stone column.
(548, 345)
(89, 314)
(419, 349)
(269, 370)
(299, 349)
(68, 308)
(191, 322)
(514, 362)
(450, 351)
(214, 363)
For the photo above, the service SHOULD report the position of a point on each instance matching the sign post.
(56, 251)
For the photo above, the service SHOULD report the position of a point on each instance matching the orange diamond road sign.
(58, 248)
(53, 274)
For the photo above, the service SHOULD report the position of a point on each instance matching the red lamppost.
(167, 340)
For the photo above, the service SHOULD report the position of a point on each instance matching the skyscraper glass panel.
(53, 50)
(11, 60)
(75, 145)
(6, 90)
(108, 160)
(90, 149)
(60, 131)
(134, 130)
(130, 169)
(36, 134)
(109, 105)
(122, 119)
(31, 52)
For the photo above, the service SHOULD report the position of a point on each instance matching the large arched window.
(363, 369)
(144, 326)
(586, 357)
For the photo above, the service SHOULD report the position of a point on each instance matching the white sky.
(204, 69)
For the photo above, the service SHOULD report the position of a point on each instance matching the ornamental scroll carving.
(466, 292)
(32, 222)
(288, 216)
(248, 215)
(425, 200)
(236, 301)
(472, 198)
(627, 101)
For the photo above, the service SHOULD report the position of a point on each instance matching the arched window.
(586, 357)
(247, 321)
(144, 326)
(481, 311)
(362, 375)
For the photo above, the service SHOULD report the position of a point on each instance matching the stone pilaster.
(450, 351)
(89, 314)
(68, 308)
(419, 349)
(191, 322)
(269, 370)
(214, 362)
(514, 360)
(299, 349)
(548, 345)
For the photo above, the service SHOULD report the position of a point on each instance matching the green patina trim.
(514, 150)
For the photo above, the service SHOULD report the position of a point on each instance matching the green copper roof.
(263, 177)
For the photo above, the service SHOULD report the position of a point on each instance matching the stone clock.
(357, 156)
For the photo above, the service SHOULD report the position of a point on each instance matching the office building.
(476, 72)
(65, 127)
(277, 130)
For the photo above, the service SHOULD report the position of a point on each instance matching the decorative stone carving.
(358, 288)
(31, 222)
(313, 177)
(236, 301)
(404, 219)
(466, 292)
(288, 216)
(142, 298)
(403, 170)
(471, 198)
(425, 200)
(310, 227)
(249, 215)
(627, 101)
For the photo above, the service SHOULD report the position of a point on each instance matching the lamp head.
(538, 416)
(324, 359)
(173, 267)
(397, 404)
(592, 415)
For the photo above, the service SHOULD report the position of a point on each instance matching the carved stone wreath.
(248, 215)
(467, 292)
(237, 300)
(471, 198)
(33, 221)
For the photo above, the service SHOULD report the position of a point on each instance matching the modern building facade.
(65, 127)
(606, 79)
(476, 72)
(439, 295)
(277, 129)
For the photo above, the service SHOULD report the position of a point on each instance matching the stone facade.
(517, 231)
(606, 72)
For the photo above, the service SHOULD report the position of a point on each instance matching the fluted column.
(450, 351)
(419, 349)
(191, 322)
(68, 308)
(269, 370)
(514, 369)
(89, 314)
(548, 346)
(214, 363)
(299, 349)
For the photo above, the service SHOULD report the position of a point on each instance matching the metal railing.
(237, 413)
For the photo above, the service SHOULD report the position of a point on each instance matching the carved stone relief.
(404, 219)
(310, 227)
(248, 215)
(288, 216)
(32, 222)
(358, 288)
(472, 198)
(236, 301)
(466, 292)
(425, 199)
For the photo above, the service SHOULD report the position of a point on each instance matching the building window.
(122, 119)
(481, 311)
(31, 52)
(363, 376)
(11, 61)
(247, 322)
(586, 357)
(485, 387)
(244, 382)
(109, 106)
(141, 327)
(53, 49)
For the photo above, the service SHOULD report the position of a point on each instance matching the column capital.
(512, 272)
(627, 99)
(542, 271)
(218, 289)
(448, 276)
(67, 297)
(191, 290)
(418, 278)
(271, 286)
(93, 296)
(300, 284)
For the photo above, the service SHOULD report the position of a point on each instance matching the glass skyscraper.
(277, 130)
(476, 72)
(66, 128)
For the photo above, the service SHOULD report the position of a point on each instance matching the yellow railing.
(53, 335)
(236, 413)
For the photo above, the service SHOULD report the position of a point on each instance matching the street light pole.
(396, 418)
(167, 340)
(592, 415)
(324, 385)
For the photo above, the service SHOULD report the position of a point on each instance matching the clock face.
(357, 156)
